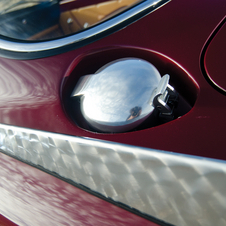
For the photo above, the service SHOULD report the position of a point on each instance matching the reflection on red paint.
(31, 197)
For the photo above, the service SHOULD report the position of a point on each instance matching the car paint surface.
(170, 32)
(214, 61)
(37, 198)
(30, 97)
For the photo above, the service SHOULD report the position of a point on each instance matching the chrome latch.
(166, 99)
(122, 94)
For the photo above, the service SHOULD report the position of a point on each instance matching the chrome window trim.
(22, 47)
(176, 188)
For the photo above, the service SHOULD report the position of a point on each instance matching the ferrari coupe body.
(112, 112)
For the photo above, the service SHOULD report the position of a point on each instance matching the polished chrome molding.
(141, 9)
(177, 188)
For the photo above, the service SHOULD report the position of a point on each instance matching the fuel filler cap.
(122, 94)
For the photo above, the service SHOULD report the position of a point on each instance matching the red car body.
(189, 38)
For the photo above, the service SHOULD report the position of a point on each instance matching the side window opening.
(50, 19)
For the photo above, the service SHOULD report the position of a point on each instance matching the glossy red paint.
(215, 59)
(6, 222)
(30, 97)
(31, 89)
(37, 198)
(89, 63)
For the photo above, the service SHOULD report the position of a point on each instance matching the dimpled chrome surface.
(179, 189)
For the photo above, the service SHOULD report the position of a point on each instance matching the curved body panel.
(32, 102)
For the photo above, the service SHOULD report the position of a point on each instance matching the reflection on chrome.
(176, 188)
(135, 112)
(31, 197)
(120, 95)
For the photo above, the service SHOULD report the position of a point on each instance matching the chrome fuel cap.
(119, 96)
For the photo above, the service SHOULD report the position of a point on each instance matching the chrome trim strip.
(28, 47)
(179, 189)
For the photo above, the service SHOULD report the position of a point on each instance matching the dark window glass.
(49, 19)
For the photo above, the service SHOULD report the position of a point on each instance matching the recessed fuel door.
(122, 94)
